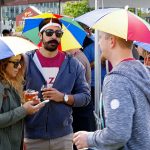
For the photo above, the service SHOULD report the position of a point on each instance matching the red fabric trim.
(128, 59)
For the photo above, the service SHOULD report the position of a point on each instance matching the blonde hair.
(17, 82)
(122, 42)
(146, 56)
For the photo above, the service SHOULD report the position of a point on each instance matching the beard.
(51, 45)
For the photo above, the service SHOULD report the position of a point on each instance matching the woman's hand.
(32, 107)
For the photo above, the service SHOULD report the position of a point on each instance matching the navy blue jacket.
(55, 119)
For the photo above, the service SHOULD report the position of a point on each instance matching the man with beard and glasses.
(63, 77)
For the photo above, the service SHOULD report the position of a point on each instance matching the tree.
(76, 8)
(139, 13)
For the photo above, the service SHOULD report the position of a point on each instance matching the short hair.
(5, 32)
(122, 42)
(47, 20)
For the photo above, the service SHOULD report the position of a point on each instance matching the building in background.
(12, 8)
(28, 12)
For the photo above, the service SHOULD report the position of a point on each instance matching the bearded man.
(51, 127)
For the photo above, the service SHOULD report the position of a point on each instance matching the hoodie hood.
(137, 73)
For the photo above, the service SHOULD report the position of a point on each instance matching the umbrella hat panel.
(68, 20)
(10, 46)
(76, 31)
(138, 29)
(92, 17)
(31, 24)
(33, 35)
(5, 47)
(114, 24)
(47, 15)
(72, 43)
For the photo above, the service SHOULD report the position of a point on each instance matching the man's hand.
(80, 139)
(53, 94)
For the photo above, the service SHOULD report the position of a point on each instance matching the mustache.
(52, 41)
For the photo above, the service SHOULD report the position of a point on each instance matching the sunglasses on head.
(16, 63)
(50, 32)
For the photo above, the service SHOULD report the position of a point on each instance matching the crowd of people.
(66, 121)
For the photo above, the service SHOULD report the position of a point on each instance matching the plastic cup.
(30, 94)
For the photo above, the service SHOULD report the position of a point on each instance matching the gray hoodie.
(126, 99)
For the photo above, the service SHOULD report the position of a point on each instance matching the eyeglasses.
(16, 63)
(50, 32)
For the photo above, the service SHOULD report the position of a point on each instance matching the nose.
(54, 36)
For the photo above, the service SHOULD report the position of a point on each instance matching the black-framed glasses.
(50, 32)
(15, 63)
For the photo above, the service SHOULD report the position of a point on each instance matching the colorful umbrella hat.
(72, 38)
(124, 24)
(11, 46)
(31, 27)
(145, 46)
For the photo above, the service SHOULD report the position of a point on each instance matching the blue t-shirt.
(89, 51)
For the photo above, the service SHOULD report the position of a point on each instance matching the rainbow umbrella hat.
(31, 29)
(124, 24)
(72, 38)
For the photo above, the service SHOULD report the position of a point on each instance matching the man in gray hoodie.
(126, 101)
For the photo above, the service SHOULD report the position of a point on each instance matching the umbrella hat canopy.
(32, 26)
(92, 17)
(72, 32)
(8, 47)
(47, 15)
(124, 24)
(145, 46)
(72, 38)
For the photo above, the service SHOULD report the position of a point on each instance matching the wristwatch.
(66, 98)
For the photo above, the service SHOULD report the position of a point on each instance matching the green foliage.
(139, 13)
(76, 8)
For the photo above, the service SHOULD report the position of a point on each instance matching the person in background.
(89, 51)
(6, 32)
(143, 50)
(126, 101)
(82, 119)
(13, 108)
(89, 31)
(135, 53)
(146, 56)
(77, 53)
(51, 127)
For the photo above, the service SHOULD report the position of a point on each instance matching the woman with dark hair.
(12, 106)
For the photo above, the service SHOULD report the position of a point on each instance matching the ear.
(40, 35)
(112, 41)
